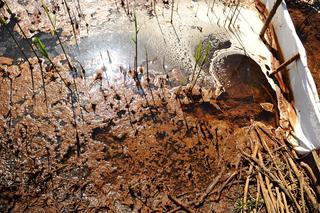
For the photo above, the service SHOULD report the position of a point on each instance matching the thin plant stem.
(129, 112)
(197, 59)
(162, 79)
(115, 1)
(72, 68)
(71, 21)
(177, 10)
(214, 1)
(80, 10)
(128, 11)
(38, 58)
(136, 75)
(148, 79)
(208, 48)
(43, 50)
(104, 69)
(234, 12)
(181, 106)
(56, 34)
(136, 42)
(157, 18)
(172, 7)
(10, 101)
(230, 12)
(109, 57)
(22, 53)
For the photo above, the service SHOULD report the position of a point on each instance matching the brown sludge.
(193, 151)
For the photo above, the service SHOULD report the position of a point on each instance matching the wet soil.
(121, 142)
(130, 154)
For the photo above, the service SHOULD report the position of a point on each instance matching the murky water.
(109, 36)
(168, 45)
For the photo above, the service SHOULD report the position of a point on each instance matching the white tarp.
(307, 105)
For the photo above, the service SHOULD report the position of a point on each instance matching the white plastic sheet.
(307, 105)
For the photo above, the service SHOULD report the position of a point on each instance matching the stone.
(5, 60)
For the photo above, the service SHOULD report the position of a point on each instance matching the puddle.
(109, 36)
(106, 46)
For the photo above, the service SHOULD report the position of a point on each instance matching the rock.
(267, 107)
(5, 60)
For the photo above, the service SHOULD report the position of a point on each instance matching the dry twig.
(179, 203)
(210, 188)
(273, 178)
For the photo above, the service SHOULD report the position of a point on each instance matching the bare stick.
(302, 185)
(286, 63)
(210, 187)
(285, 201)
(257, 197)
(263, 143)
(179, 203)
(272, 178)
(279, 200)
(254, 154)
(225, 184)
(269, 18)
(268, 184)
(265, 194)
(312, 176)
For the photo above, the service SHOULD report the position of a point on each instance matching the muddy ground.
(137, 143)
(129, 154)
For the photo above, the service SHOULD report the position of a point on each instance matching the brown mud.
(131, 155)
(129, 144)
